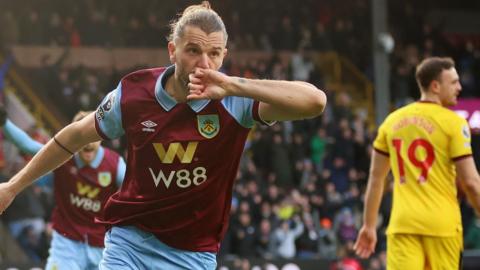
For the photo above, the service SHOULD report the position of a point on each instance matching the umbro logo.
(148, 126)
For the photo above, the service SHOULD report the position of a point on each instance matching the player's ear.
(225, 52)
(171, 51)
(435, 86)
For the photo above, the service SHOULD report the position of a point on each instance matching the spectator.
(263, 240)
(308, 242)
(301, 65)
(280, 162)
(339, 174)
(345, 226)
(244, 236)
(318, 145)
(327, 240)
(284, 238)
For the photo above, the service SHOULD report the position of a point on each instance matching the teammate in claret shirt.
(186, 126)
(81, 187)
(427, 146)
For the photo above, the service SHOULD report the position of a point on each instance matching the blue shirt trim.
(121, 166)
(109, 114)
(241, 109)
(95, 162)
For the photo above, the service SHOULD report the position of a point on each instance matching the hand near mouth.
(207, 84)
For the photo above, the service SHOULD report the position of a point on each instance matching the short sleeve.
(460, 143)
(108, 116)
(244, 110)
(380, 143)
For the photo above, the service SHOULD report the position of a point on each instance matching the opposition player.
(81, 187)
(428, 147)
(186, 127)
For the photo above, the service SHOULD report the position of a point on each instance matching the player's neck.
(426, 97)
(176, 90)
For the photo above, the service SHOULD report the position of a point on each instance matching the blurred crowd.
(285, 25)
(299, 191)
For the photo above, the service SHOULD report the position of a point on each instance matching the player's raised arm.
(58, 150)
(17, 136)
(21, 139)
(279, 100)
(469, 181)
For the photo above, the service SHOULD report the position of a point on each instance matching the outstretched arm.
(21, 139)
(367, 237)
(53, 154)
(279, 100)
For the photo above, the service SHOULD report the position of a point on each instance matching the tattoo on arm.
(242, 80)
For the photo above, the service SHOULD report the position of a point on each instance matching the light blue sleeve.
(241, 109)
(121, 168)
(21, 139)
(108, 116)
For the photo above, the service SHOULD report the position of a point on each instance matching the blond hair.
(201, 16)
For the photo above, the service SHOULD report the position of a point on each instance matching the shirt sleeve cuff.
(256, 115)
(99, 130)
(461, 157)
(381, 152)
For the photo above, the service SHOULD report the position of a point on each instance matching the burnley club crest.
(104, 178)
(208, 125)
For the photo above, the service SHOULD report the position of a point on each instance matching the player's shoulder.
(110, 152)
(142, 82)
(402, 112)
(143, 75)
(398, 113)
(451, 115)
(431, 110)
(443, 116)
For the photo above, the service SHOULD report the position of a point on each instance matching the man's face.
(196, 49)
(88, 152)
(449, 87)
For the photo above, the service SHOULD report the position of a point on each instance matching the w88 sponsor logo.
(182, 178)
(86, 198)
(85, 203)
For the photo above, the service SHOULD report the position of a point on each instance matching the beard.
(184, 82)
(183, 78)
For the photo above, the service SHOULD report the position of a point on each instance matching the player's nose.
(203, 61)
